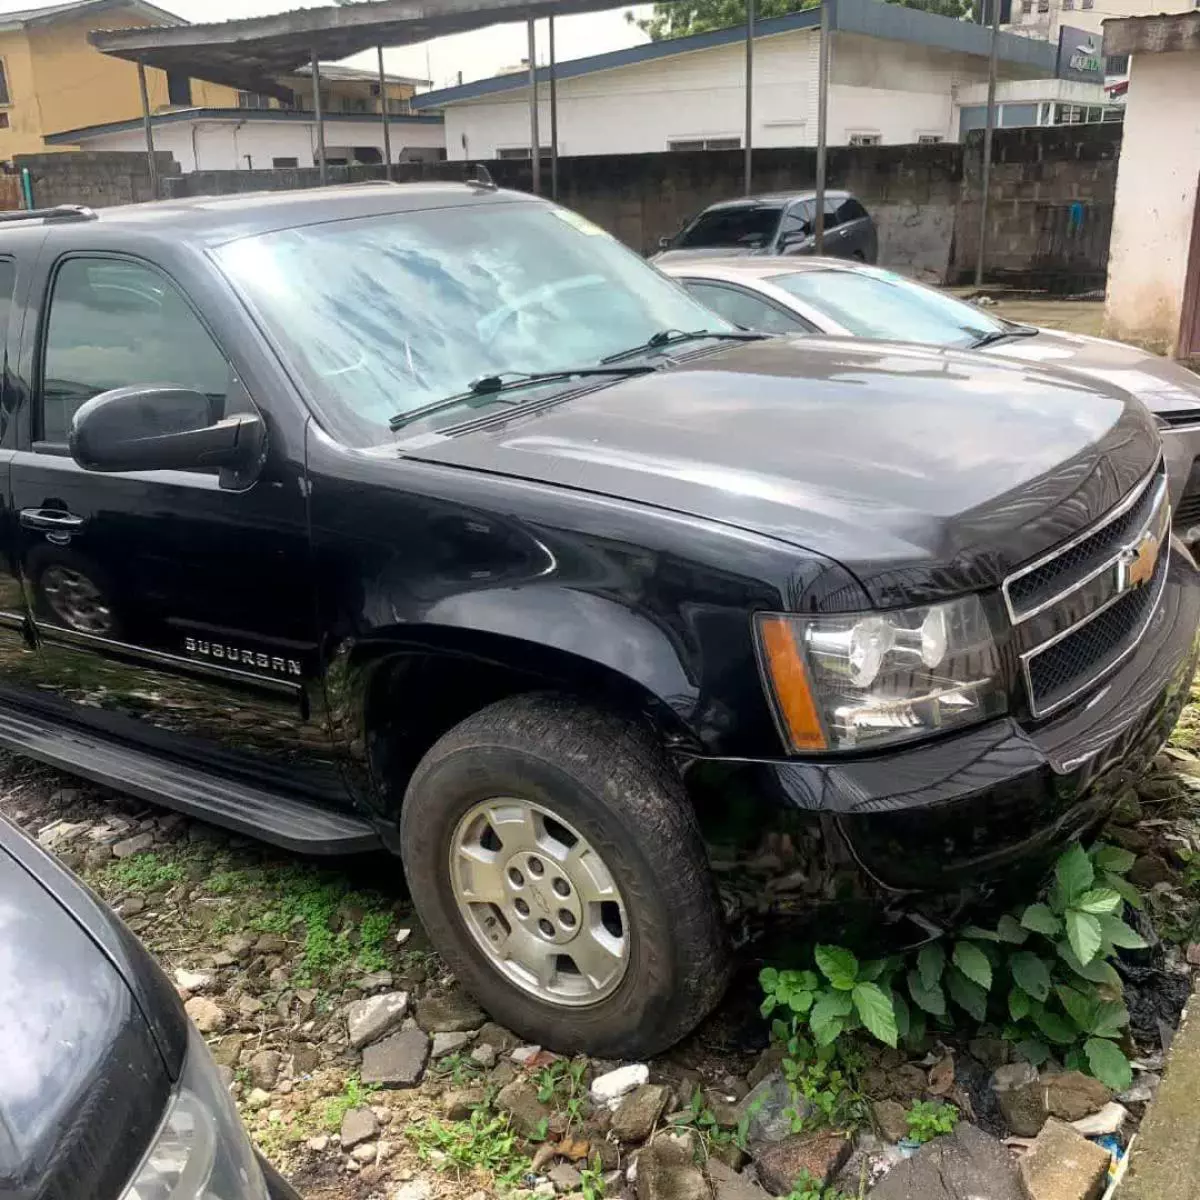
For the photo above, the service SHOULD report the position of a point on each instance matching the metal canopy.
(248, 54)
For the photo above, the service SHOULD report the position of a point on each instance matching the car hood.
(83, 1084)
(1162, 384)
(924, 471)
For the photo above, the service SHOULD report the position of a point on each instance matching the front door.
(171, 609)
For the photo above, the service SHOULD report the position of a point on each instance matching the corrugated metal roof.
(48, 13)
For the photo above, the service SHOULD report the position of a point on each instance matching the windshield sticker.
(576, 221)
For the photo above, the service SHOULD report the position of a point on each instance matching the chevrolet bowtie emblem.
(1136, 565)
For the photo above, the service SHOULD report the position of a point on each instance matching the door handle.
(51, 519)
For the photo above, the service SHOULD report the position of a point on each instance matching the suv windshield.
(750, 225)
(878, 304)
(384, 314)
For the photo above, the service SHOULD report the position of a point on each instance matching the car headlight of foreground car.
(200, 1151)
(859, 681)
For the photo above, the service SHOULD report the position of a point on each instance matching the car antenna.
(481, 177)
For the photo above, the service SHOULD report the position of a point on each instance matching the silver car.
(832, 296)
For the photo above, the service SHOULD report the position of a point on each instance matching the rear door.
(856, 230)
(171, 610)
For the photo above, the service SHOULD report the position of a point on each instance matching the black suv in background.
(779, 223)
(107, 1092)
(432, 517)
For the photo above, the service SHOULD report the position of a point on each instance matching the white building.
(1153, 294)
(1044, 18)
(897, 75)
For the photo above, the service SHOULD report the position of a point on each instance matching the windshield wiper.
(998, 335)
(489, 386)
(672, 337)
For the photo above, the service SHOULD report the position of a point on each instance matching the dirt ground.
(1072, 316)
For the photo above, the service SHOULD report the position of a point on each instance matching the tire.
(603, 776)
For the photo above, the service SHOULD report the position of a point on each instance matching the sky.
(477, 55)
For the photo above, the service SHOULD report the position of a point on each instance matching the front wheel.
(556, 863)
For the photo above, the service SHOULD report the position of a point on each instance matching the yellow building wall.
(24, 132)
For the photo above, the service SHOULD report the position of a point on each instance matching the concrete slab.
(1164, 1162)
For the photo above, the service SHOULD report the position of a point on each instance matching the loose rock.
(368, 1020)
(727, 1184)
(453, 1012)
(258, 1098)
(398, 1060)
(638, 1113)
(1108, 1120)
(250, 1006)
(208, 1015)
(415, 1189)
(270, 943)
(1073, 1095)
(964, 1165)
(484, 1056)
(1021, 1098)
(780, 1164)
(449, 1043)
(764, 1109)
(1062, 1165)
(264, 1068)
(459, 1103)
(358, 1125)
(564, 1177)
(526, 1112)
(666, 1170)
(367, 1153)
(192, 981)
(608, 1089)
(133, 845)
(892, 1119)
(492, 1034)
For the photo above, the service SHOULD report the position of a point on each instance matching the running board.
(269, 816)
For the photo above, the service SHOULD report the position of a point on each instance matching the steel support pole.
(148, 125)
(553, 116)
(988, 129)
(749, 139)
(316, 82)
(535, 141)
(387, 126)
(822, 127)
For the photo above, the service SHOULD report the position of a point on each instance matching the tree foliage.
(678, 18)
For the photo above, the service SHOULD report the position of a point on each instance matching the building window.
(399, 104)
(1116, 64)
(929, 139)
(253, 100)
(1113, 116)
(1089, 3)
(179, 89)
(3, 120)
(4, 97)
(1043, 6)
(716, 143)
(1068, 5)
(865, 139)
(519, 152)
(1027, 6)
(281, 164)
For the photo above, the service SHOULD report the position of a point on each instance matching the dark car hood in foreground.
(921, 470)
(83, 1082)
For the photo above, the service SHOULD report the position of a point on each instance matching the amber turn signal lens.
(789, 681)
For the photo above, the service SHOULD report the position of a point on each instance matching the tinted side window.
(850, 210)
(8, 279)
(833, 210)
(798, 221)
(116, 324)
(744, 309)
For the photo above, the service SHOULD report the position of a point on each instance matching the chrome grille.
(1081, 609)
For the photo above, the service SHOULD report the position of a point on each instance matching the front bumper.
(984, 808)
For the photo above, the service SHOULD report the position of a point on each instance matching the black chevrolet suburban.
(107, 1092)
(431, 518)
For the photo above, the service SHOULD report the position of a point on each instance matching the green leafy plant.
(144, 872)
(591, 1180)
(562, 1083)
(483, 1142)
(700, 1117)
(354, 1094)
(930, 1119)
(808, 1188)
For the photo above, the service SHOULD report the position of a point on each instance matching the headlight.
(201, 1151)
(864, 680)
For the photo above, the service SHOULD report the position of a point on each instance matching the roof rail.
(61, 212)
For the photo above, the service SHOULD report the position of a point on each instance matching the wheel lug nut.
(518, 880)
(567, 918)
(562, 887)
(535, 866)
(546, 927)
(521, 907)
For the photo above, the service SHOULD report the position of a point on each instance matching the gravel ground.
(311, 978)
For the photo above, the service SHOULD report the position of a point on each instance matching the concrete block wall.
(1052, 192)
(98, 179)
(1050, 206)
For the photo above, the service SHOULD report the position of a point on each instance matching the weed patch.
(141, 873)
(483, 1143)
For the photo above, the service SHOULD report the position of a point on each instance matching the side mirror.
(664, 242)
(161, 428)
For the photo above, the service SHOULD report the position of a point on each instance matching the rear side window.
(745, 309)
(114, 323)
(8, 279)
(750, 226)
(849, 209)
